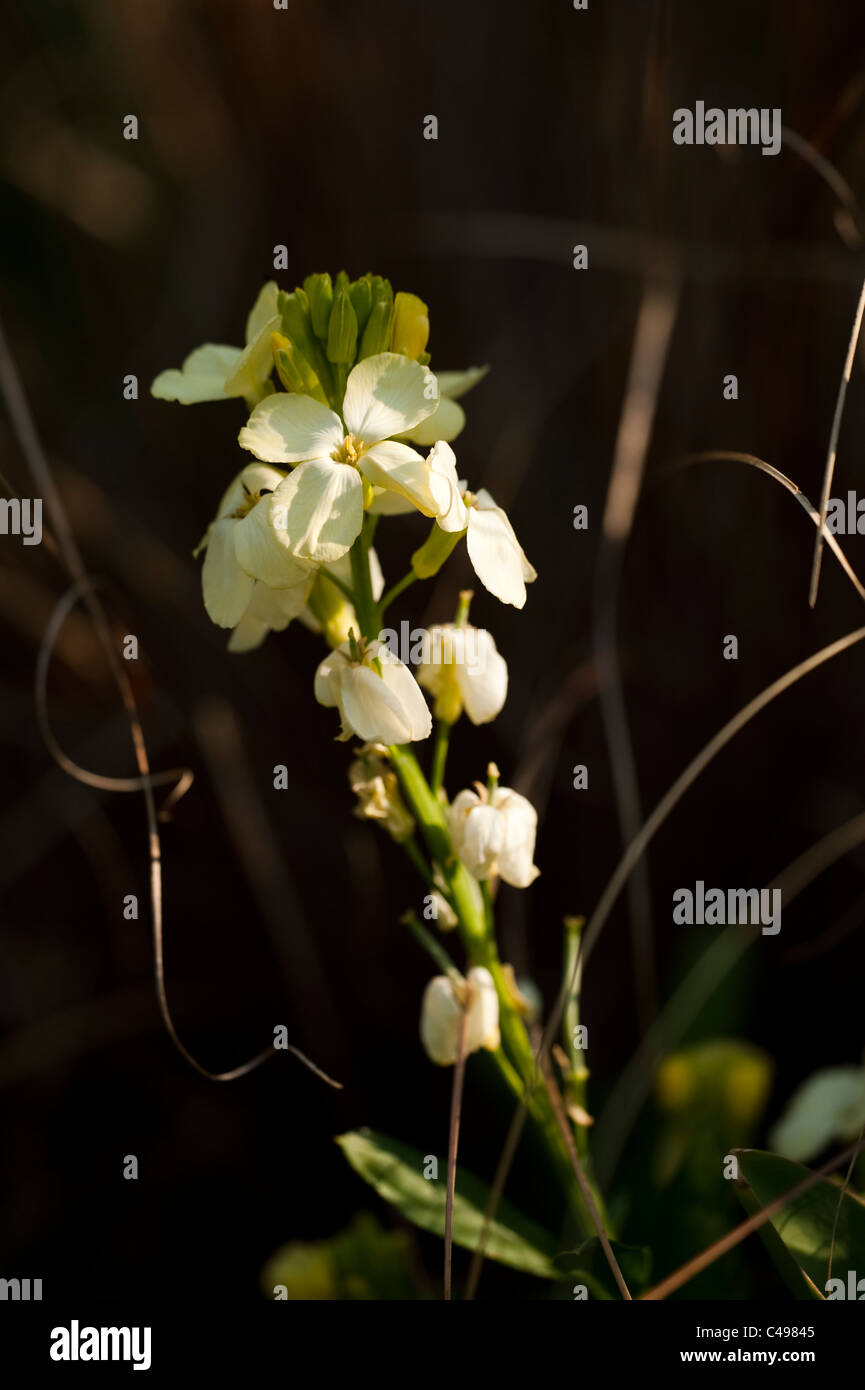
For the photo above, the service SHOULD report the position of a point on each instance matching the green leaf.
(395, 1170)
(803, 1226)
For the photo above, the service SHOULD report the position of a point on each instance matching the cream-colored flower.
(463, 669)
(317, 511)
(442, 1009)
(376, 786)
(494, 834)
(497, 557)
(215, 372)
(378, 698)
(231, 562)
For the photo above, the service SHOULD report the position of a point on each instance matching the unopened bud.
(377, 333)
(342, 330)
(410, 325)
(319, 292)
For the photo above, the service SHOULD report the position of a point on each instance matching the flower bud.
(297, 325)
(342, 330)
(410, 325)
(493, 832)
(319, 292)
(293, 370)
(442, 1009)
(361, 298)
(379, 325)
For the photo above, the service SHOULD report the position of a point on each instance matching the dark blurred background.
(304, 128)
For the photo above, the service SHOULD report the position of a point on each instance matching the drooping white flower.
(829, 1106)
(382, 705)
(497, 557)
(234, 556)
(448, 419)
(442, 1009)
(494, 834)
(462, 668)
(317, 510)
(215, 372)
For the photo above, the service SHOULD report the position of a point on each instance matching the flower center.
(349, 451)
(250, 500)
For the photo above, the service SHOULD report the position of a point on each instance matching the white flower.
(235, 558)
(462, 667)
(215, 372)
(449, 419)
(317, 511)
(497, 557)
(494, 834)
(829, 1106)
(383, 707)
(442, 1009)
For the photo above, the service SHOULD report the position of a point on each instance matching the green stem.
(439, 755)
(395, 592)
(364, 605)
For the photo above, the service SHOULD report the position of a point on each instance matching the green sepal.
(438, 545)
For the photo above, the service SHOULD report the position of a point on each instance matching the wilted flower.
(317, 510)
(234, 558)
(462, 668)
(376, 786)
(215, 372)
(384, 705)
(493, 832)
(442, 1008)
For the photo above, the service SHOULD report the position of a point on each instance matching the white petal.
(496, 555)
(262, 310)
(286, 428)
(389, 503)
(400, 681)
(452, 514)
(372, 709)
(318, 510)
(482, 1023)
(254, 365)
(456, 384)
(482, 677)
(440, 1019)
(249, 634)
(376, 574)
(520, 822)
(387, 395)
(263, 550)
(201, 378)
(256, 477)
(397, 468)
(328, 677)
(446, 422)
(226, 589)
(269, 610)
(487, 503)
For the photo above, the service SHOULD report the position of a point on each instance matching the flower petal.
(400, 681)
(397, 468)
(286, 428)
(226, 589)
(254, 365)
(496, 555)
(317, 511)
(372, 709)
(482, 676)
(264, 552)
(452, 512)
(387, 395)
(262, 310)
(487, 503)
(482, 1022)
(456, 384)
(201, 378)
(446, 422)
(389, 503)
(520, 821)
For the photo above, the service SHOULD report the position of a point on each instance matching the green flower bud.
(342, 281)
(294, 370)
(297, 326)
(410, 325)
(342, 330)
(319, 291)
(377, 333)
(361, 298)
(438, 545)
